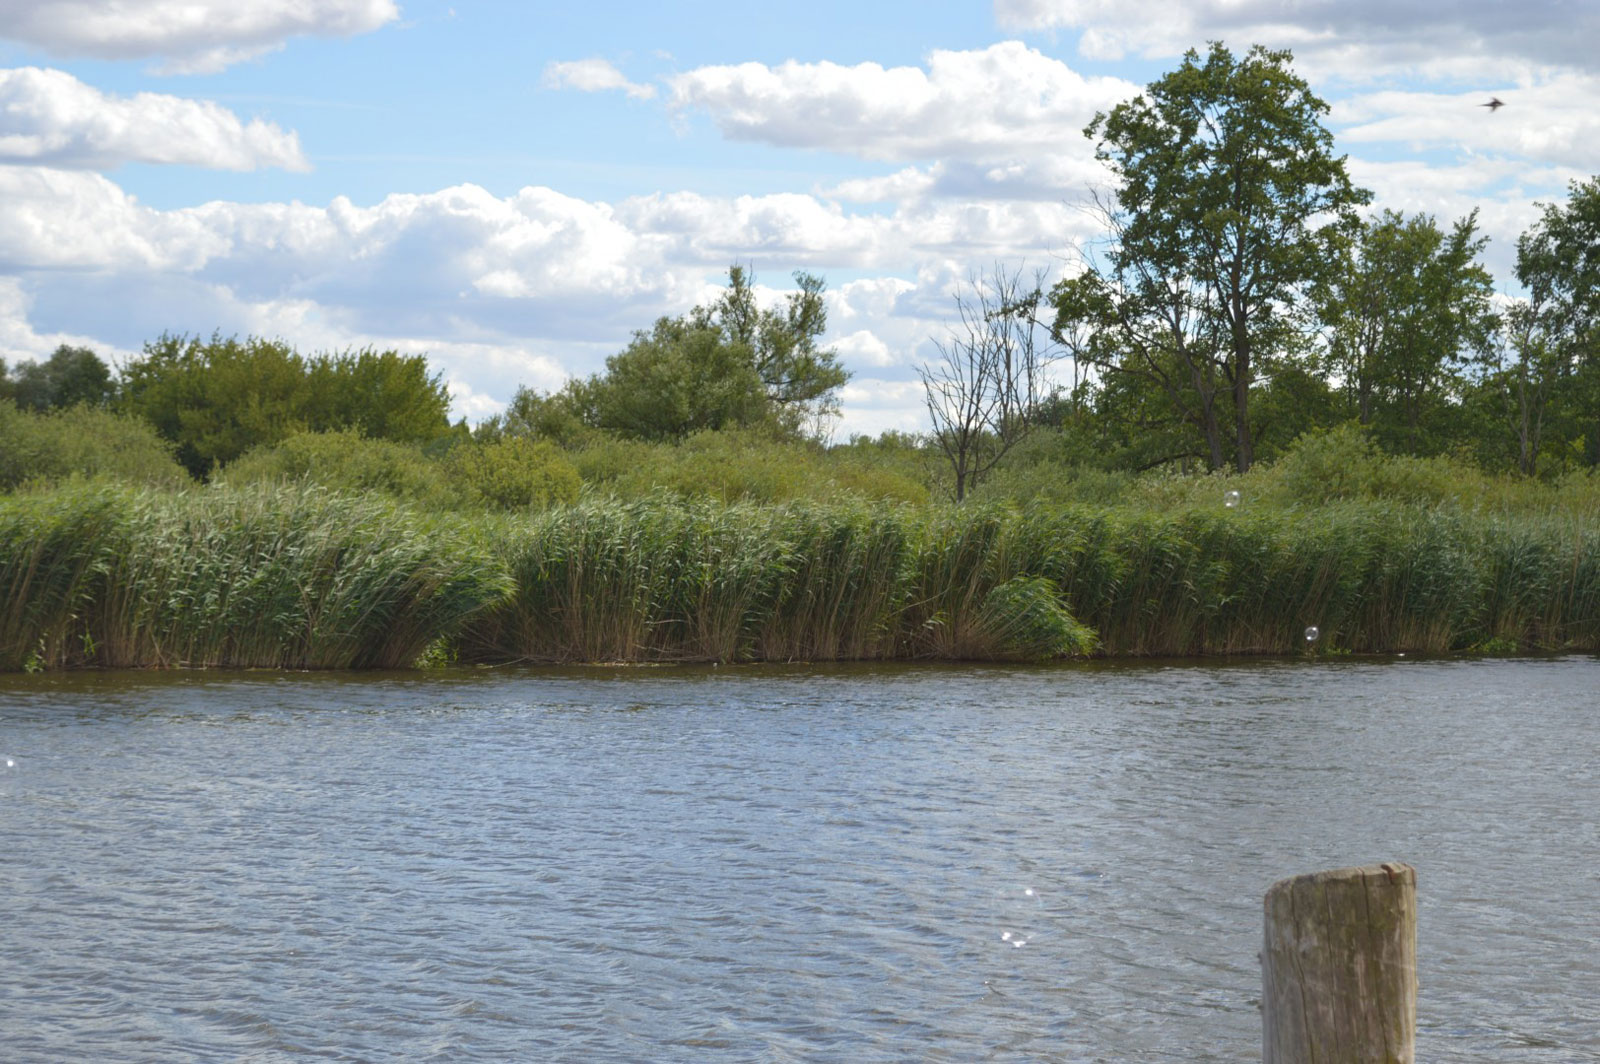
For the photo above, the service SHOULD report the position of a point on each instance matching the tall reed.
(264, 577)
(667, 581)
(290, 577)
(294, 577)
(52, 555)
(846, 588)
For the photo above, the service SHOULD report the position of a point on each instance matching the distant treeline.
(1238, 300)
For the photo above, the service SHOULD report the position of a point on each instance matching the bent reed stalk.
(294, 577)
(271, 578)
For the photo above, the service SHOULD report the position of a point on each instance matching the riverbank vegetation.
(94, 573)
(1172, 451)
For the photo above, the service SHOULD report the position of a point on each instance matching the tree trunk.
(1245, 455)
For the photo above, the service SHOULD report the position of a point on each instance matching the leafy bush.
(220, 398)
(1344, 463)
(739, 465)
(83, 441)
(514, 473)
(345, 460)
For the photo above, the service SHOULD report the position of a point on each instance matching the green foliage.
(294, 577)
(1294, 399)
(220, 398)
(663, 581)
(677, 379)
(52, 547)
(558, 418)
(384, 394)
(347, 461)
(660, 582)
(727, 365)
(1024, 620)
(298, 576)
(1345, 463)
(513, 473)
(1542, 377)
(740, 466)
(71, 375)
(81, 441)
(1229, 202)
(798, 377)
(1406, 309)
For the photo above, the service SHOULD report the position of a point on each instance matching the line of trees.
(1239, 298)
(258, 405)
(215, 399)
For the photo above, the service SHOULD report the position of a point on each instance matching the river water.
(778, 864)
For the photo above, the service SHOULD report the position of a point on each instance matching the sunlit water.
(861, 864)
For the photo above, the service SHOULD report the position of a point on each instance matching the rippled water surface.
(856, 864)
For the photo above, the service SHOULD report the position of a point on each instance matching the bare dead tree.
(990, 374)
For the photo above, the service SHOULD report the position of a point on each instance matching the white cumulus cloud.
(501, 290)
(861, 347)
(1000, 102)
(50, 118)
(69, 220)
(191, 36)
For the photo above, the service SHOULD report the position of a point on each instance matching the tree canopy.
(218, 398)
(1405, 306)
(71, 375)
(1228, 205)
(728, 364)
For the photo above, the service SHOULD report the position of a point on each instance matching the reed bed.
(293, 577)
(272, 578)
(52, 552)
(670, 581)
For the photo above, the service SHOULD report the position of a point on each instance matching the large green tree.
(1556, 338)
(218, 398)
(1406, 309)
(726, 364)
(677, 379)
(1228, 204)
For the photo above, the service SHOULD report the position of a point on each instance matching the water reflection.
(868, 863)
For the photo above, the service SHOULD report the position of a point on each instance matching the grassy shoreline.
(96, 575)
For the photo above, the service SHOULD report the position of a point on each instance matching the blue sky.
(513, 188)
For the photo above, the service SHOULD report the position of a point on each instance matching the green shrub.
(81, 441)
(1344, 463)
(514, 473)
(345, 460)
(739, 465)
(604, 463)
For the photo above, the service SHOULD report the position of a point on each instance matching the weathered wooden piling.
(1339, 967)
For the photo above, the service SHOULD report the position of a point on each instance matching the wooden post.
(1339, 967)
